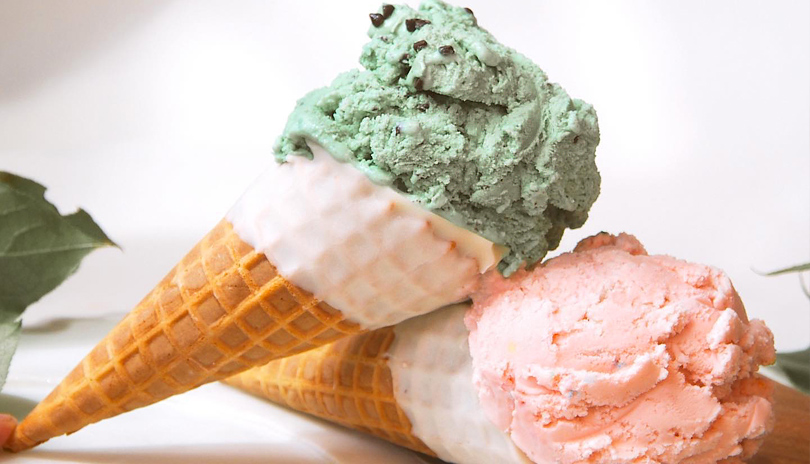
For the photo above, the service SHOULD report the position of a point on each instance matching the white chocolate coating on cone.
(433, 383)
(360, 247)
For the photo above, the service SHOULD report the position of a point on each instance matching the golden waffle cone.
(348, 382)
(410, 384)
(220, 311)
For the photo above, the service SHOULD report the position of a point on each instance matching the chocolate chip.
(398, 129)
(399, 184)
(576, 139)
(406, 67)
(420, 45)
(419, 84)
(475, 20)
(385, 38)
(446, 50)
(387, 10)
(376, 19)
(423, 106)
(415, 23)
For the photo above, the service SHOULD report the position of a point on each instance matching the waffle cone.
(348, 382)
(220, 311)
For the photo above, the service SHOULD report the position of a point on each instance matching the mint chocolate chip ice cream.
(461, 125)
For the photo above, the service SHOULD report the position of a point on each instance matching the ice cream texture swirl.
(609, 355)
(462, 125)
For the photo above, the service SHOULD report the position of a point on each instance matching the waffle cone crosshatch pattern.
(222, 310)
(348, 382)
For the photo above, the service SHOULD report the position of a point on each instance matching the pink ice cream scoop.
(609, 355)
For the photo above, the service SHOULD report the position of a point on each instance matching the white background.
(154, 115)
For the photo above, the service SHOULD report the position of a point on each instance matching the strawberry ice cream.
(609, 355)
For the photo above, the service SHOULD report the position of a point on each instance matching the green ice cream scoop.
(461, 125)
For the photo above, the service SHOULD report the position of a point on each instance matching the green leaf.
(9, 336)
(39, 249)
(798, 268)
(796, 365)
(23, 185)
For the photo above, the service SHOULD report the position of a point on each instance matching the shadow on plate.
(16, 406)
(50, 326)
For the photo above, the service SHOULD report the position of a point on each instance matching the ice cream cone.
(410, 385)
(222, 309)
(289, 269)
